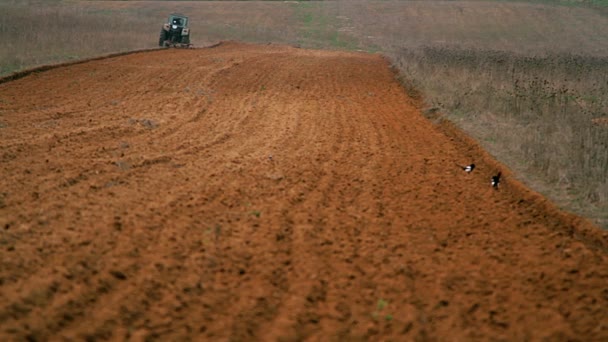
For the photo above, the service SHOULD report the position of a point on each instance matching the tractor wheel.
(163, 37)
(185, 39)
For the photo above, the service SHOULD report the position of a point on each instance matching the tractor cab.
(178, 21)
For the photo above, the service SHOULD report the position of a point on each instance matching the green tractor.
(175, 32)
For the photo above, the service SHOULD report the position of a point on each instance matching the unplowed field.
(248, 192)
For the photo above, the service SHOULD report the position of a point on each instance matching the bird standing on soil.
(496, 180)
(467, 168)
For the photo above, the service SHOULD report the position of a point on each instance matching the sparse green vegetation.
(380, 306)
(322, 27)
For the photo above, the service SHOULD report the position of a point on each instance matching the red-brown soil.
(270, 193)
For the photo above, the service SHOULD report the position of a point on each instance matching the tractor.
(175, 32)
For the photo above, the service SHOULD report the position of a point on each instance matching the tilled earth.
(248, 192)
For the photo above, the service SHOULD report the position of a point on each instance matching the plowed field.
(248, 192)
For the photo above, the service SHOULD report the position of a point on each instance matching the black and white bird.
(467, 168)
(496, 180)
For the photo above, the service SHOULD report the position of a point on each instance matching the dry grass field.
(544, 116)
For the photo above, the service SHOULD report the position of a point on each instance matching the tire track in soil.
(269, 193)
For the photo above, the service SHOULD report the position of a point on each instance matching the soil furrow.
(262, 192)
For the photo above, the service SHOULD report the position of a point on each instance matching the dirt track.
(270, 193)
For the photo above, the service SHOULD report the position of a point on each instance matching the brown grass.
(527, 80)
(538, 114)
(524, 28)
